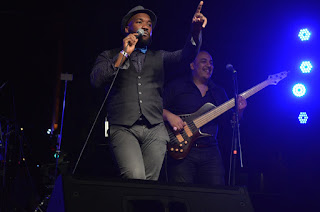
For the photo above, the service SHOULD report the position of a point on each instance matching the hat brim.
(126, 18)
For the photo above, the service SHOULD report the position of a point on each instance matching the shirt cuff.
(200, 38)
(124, 65)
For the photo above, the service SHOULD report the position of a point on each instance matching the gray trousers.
(139, 150)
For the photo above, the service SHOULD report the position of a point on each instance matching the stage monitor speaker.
(70, 194)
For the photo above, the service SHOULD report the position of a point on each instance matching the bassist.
(203, 164)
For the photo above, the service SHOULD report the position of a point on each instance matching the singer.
(203, 164)
(138, 136)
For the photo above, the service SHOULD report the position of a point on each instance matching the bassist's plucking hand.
(175, 121)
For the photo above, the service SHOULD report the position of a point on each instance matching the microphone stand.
(140, 33)
(98, 114)
(235, 135)
(66, 78)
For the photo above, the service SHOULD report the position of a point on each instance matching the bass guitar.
(181, 141)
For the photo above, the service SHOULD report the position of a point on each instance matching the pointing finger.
(199, 7)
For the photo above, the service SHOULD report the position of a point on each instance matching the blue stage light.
(299, 90)
(303, 117)
(306, 67)
(304, 34)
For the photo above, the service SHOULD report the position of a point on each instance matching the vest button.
(139, 77)
(140, 92)
(139, 83)
(140, 101)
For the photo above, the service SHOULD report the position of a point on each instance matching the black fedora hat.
(136, 10)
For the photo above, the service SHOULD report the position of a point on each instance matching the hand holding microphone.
(129, 42)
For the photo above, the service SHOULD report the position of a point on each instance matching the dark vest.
(135, 94)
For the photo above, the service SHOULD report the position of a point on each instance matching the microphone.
(230, 68)
(140, 33)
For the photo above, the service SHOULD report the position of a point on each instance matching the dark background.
(40, 40)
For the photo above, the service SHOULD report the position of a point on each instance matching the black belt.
(142, 121)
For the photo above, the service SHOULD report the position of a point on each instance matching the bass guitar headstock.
(275, 78)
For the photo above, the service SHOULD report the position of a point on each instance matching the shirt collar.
(143, 50)
(210, 84)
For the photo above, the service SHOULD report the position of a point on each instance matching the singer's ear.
(126, 29)
(192, 66)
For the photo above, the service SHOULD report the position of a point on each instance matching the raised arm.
(193, 44)
(199, 22)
